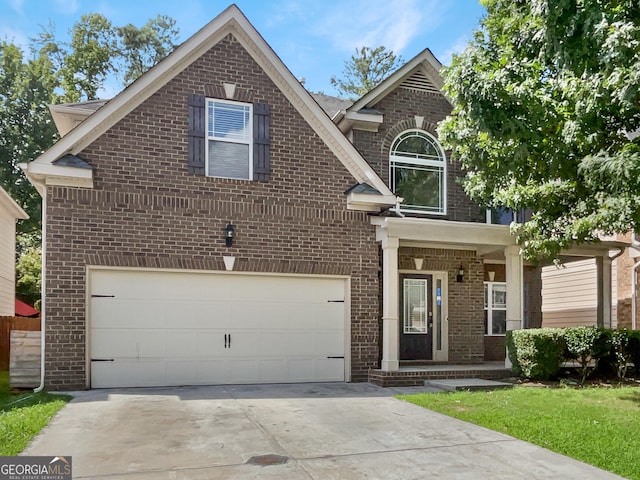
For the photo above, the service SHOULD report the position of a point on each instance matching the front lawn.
(23, 415)
(595, 425)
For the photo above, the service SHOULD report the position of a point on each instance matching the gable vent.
(420, 83)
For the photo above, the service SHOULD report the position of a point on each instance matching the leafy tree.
(364, 70)
(546, 98)
(29, 275)
(141, 48)
(51, 72)
(27, 87)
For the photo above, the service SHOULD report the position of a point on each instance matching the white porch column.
(390, 325)
(604, 286)
(514, 278)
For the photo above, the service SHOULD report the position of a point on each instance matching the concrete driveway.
(325, 431)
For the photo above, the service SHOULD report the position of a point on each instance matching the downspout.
(43, 315)
(634, 282)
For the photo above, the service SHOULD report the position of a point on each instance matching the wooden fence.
(7, 324)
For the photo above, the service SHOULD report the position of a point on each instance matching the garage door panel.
(182, 344)
(112, 343)
(214, 371)
(215, 313)
(168, 328)
(181, 372)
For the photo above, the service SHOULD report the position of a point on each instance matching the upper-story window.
(504, 216)
(229, 140)
(418, 171)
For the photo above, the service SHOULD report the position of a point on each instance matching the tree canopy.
(50, 72)
(364, 70)
(546, 106)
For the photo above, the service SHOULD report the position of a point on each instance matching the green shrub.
(585, 346)
(634, 349)
(536, 353)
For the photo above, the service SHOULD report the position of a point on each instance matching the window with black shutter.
(228, 139)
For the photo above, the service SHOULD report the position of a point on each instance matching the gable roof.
(8, 204)
(421, 73)
(233, 21)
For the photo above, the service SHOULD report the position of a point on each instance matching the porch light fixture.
(229, 233)
(418, 262)
(460, 275)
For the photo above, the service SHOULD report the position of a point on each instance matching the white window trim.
(489, 308)
(398, 159)
(249, 142)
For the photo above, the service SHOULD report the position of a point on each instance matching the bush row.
(540, 353)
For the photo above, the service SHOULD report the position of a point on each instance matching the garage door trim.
(93, 268)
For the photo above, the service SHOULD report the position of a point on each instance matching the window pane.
(499, 295)
(415, 313)
(501, 216)
(229, 121)
(416, 145)
(498, 322)
(230, 160)
(421, 188)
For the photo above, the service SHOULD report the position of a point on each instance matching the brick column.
(390, 307)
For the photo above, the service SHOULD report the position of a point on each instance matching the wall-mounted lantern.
(229, 233)
(460, 275)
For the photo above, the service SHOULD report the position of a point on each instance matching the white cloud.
(67, 7)
(16, 6)
(379, 22)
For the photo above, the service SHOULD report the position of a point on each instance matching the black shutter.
(261, 158)
(196, 134)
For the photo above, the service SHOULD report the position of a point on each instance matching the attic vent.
(419, 82)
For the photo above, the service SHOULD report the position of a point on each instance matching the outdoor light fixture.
(460, 275)
(229, 232)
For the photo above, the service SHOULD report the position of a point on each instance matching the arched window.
(418, 172)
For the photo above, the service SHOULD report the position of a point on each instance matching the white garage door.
(158, 328)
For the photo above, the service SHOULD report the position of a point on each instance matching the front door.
(416, 317)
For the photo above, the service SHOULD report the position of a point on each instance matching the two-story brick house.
(213, 224)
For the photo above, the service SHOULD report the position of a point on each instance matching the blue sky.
(312, 37)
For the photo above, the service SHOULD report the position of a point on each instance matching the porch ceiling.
(480, 237)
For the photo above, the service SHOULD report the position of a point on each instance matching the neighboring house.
(10, 212)
(570, 290)
(213, 224)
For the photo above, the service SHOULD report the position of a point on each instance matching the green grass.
(595, 425)
(23, 415)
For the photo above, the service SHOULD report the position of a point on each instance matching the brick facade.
(145, 210)
(465, 299)
(399, 109)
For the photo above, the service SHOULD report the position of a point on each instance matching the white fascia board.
(59, 171)
(431, 68)
(369, 202)
(9, 204)
(41, 175)
(445, 231)
(230, 21)
(360, 121)
(66, 118)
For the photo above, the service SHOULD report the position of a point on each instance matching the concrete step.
(453, 385)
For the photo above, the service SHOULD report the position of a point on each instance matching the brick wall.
(400, 108)
(146, 211)
(465, 299)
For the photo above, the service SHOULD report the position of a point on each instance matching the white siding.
(569, 294)
(7, 262)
